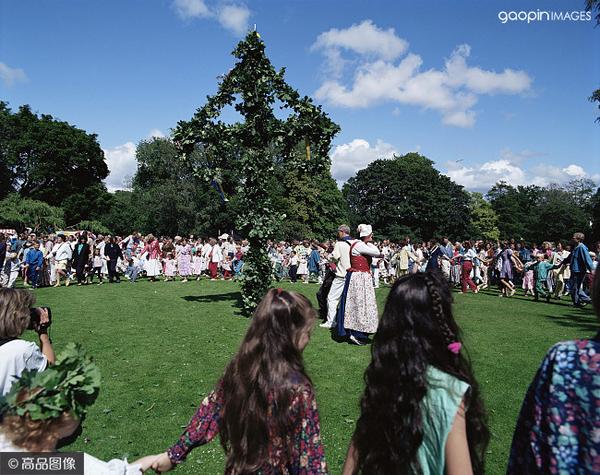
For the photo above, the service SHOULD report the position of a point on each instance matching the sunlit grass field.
(162, 346)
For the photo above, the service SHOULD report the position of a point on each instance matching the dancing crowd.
(83, 257)
(421, 410)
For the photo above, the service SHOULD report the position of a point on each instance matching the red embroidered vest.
(359, 263)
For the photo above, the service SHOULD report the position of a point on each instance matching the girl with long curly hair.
(421, 411)
(264, 406)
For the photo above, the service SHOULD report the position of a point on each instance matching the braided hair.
(416, 330)
(438, 311)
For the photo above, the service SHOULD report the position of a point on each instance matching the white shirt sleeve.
(94, 466)
(365, 250)
(34, 358)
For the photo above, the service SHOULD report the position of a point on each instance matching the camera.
(34, 321)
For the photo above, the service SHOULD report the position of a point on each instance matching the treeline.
(407, 196)
(51, 177)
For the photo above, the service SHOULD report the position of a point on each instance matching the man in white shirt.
(341, 257)
(62, 255)
(215, 257)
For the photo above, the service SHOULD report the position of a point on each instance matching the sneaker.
(356, 341)
(326, 325)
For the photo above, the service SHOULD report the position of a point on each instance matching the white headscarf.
(364, 230)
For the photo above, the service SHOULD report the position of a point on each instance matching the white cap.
(224, 236)
(365, 230)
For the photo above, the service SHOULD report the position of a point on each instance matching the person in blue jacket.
(33, 264)
(581, 263)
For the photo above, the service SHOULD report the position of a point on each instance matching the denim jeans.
(577, 294)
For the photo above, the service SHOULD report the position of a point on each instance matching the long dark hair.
(258, 381)
(416, 328)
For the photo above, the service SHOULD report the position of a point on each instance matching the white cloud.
(364, 39)
(191, 8)
(380, 75)
(156, 133)
(234, 18)
(480, 81)
(348, 158)
(484, 176)
(231, 16)
(121, 164)
(575, 171)
(510, 168)
(11, 76)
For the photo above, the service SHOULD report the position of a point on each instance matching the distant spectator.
(10, 271)
(581, 264)
(62, 255)
(2, 249)
(33, 264)
(113, 253)
(81, 256)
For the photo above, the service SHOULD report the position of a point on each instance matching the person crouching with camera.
(17, 314)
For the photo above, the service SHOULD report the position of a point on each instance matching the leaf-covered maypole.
(254, 146)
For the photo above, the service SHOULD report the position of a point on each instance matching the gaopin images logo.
(538, 15)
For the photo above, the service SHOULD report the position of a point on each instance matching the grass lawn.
(161, 347)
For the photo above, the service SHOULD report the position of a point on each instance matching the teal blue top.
(438, 408)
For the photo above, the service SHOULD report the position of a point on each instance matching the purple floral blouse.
(558, 431)
(299, 453)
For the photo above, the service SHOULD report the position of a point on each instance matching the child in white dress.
(170, 267)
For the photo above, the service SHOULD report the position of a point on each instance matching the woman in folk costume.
(357, 311)
(184, 259)
(153, 255)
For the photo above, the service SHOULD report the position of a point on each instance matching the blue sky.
(485, 100)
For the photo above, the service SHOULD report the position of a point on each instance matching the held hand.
(145, 462)
(162, 463)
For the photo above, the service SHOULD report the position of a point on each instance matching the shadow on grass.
(233, 297)
(564, 301)
(586, 320)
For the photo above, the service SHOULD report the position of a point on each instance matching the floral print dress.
(558, 430)
(300, 452)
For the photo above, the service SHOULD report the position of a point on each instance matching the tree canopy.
(550, 213)
(46, 159)
(19, 213)
(406, 195)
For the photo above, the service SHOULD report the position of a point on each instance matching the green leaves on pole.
(254, 145)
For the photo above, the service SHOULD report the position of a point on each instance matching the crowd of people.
(348, 270)
(84, 257)
(421, 408)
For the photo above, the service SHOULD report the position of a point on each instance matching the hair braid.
(438, 310)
